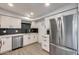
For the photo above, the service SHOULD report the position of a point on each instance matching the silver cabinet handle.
(44, 37)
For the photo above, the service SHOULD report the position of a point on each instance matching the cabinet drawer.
(45, 47)
(26, 40)
(45, 41)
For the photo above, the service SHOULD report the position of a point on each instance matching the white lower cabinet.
(34, 37)
(6, 44)
(29, 38)
(45, 43)
(45, 46)
(39, 38)
(26, 40)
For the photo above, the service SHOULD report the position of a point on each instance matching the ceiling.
(39, 9)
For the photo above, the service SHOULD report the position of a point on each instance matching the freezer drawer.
(57, 50)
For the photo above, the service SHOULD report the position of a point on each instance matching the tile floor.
(33, 49)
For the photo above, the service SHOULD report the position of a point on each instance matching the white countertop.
(44, 34)
(16, 34)
(10, 35)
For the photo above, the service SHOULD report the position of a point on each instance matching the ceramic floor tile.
(34, 49)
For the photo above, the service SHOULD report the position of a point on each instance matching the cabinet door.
(45, 43)
(5, 22)
(45, 40)
(13, 22)
(29, 38)
(10, 22)
(45, 47)
(6, 44)
(33, 38)
(26, 40)
(16, 23)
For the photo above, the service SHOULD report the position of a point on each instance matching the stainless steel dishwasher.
(17, 42)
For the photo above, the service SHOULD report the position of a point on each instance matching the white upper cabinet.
(4, 22)
(6, 44)
(9, 22)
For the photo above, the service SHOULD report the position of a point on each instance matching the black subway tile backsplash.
(34, 30)
(4, 31)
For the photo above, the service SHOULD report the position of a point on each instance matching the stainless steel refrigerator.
(63, 35)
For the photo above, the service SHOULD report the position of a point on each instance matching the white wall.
(41, 29)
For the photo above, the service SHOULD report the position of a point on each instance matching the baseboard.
(45, 51)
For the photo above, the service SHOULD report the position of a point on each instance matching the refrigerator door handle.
(59, 30)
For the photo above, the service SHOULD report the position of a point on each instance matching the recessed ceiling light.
(10, 4)
(31, 13)
(47, 4)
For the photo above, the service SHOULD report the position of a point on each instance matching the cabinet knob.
(44, 36)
